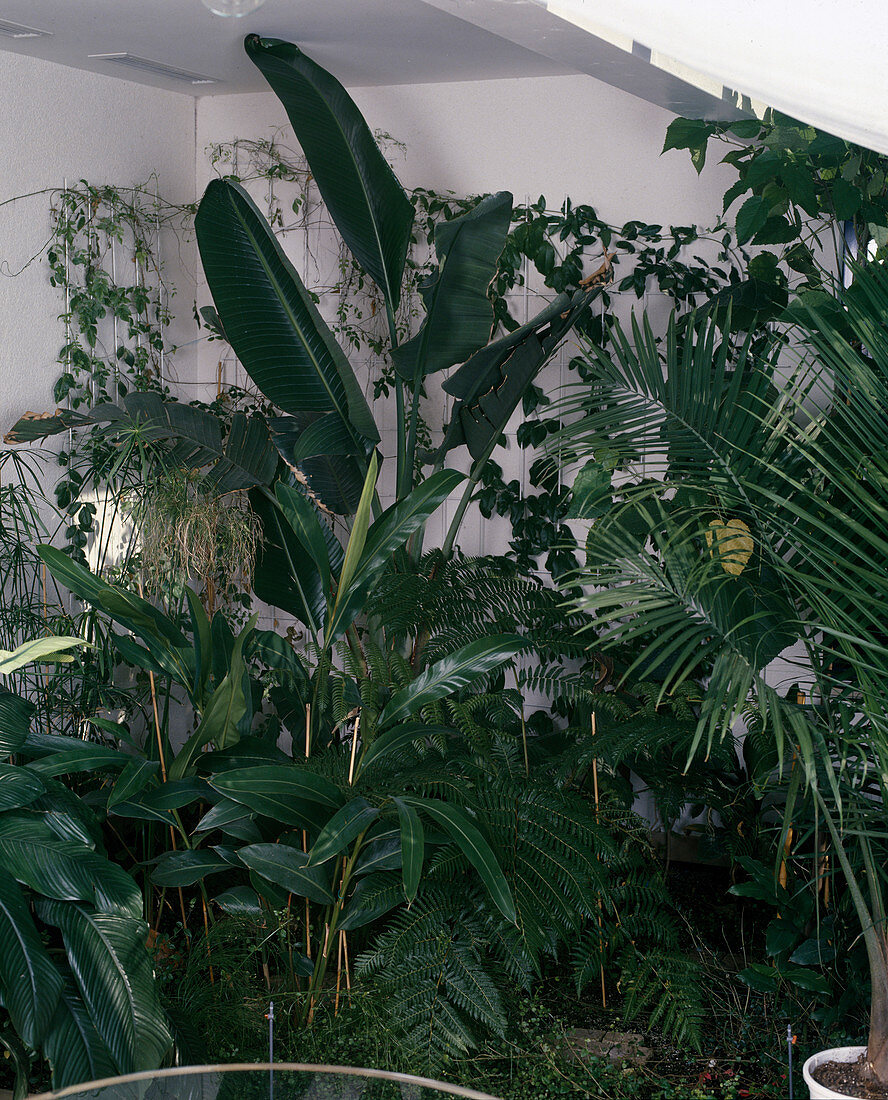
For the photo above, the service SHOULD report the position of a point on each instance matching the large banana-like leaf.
(450, 674)
(273, 325)
(220, 720)
(240, 459)
(15, 720)
(40, 649)
(114, 976)
(322, 455)
(307, 525)
(160, 633)
(30, 982)
(284, 575)
(459, 315)
(490, 385)
(18, 787)
(364, 198)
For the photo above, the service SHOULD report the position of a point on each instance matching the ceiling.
(365, 42)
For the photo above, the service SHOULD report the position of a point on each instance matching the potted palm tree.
(757, 528)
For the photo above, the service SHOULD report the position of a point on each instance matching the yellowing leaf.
(732, 543)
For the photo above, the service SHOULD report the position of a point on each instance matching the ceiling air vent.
(143, 64)
(16, 30)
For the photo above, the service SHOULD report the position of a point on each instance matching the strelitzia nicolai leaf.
(459, 315)
(358, 187)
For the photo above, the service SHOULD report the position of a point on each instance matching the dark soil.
(849, 1078)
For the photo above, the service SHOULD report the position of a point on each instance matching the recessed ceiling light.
(236, 8)
(145, 65)
(16, 30)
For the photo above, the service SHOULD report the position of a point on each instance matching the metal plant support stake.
(270, 1018)
(789, 1049)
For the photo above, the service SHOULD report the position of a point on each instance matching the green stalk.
(331, 919)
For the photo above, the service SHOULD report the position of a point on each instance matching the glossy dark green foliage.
(459, 315)
(489, 387)
(236, 456)
(359, 189)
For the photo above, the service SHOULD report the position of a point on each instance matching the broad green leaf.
(761, 978)
(358, 187)
(187, 867)
(240, 459)
(41, 649)
(30, 983)
(459, 314)
(451, 674)
(592, 493)
(64, 870)
(225, 709)
(90, 758)
(751, 217)
(373, 897)
(334, 477)
(232, 819)
(273, 325)
(284, 575)
(15, 720)
(68, 816)
(286, 866)
(73, 1047)
(201, 633)
(294, 796)
(357, 536)
(239, 901)
(275, 651)
(692, 134)
(115, 978)
(489, 387)
(399, 738)
(474, 847)
(380, 852)
(388, 533)
(124, 607)
(303, 518)
(18, 787)
(346, 825)
(412, 847)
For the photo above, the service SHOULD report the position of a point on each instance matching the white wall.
(58, 122)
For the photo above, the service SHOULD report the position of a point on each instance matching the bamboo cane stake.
(348, 984)
(351, 766)
(338, 975)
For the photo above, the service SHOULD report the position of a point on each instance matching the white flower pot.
(837, 1054)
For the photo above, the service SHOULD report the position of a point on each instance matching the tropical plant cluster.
(354, 811)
